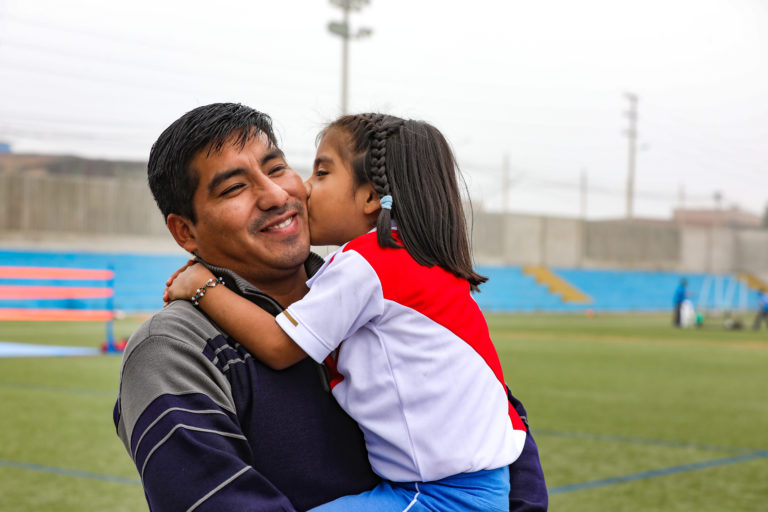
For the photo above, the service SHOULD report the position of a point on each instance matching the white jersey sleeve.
(344, 295)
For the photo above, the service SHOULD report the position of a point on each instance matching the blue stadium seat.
(140, 278)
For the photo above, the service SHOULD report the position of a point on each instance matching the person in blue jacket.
(209, 427)
(762, 310)
(681, 293)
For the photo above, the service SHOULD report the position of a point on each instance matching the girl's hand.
(185, 282)
(182, 269)
(188, 264)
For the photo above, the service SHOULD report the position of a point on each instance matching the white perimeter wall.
(85, 213)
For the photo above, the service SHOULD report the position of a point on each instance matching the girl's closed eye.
(320, 172)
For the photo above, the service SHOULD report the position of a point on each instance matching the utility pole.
(505, 183)
(342, 29)
(505, 186)
(583, 186)
(681, 196)
(631, 156)
(718, 197)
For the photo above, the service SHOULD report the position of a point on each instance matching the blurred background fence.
(78, 204)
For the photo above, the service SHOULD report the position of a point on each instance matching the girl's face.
(339, 210)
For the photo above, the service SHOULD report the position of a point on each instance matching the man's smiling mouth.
(284, 224)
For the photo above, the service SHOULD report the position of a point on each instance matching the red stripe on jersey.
(435, 293)
(331, 363)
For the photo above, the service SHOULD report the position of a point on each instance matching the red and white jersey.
(414, 363)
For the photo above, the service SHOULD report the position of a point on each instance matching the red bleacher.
(36, 292)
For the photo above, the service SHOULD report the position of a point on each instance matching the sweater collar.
(239, 285)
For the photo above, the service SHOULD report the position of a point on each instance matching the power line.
(150, 85)
(81, 77)
(47, 134)
(91, 57)
(133, 42)
(38, 118)
(575, 187)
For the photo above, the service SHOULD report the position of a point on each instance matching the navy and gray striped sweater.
(212, 429)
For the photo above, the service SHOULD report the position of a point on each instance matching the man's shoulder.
(180, 322)
(166, 362)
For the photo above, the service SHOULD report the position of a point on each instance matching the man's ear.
(183, 231)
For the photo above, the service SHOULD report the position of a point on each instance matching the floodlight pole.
(632, 136)
(344, 63)
(505, 186)
(583, 194)
(342, 30)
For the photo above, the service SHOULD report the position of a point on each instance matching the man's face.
(251, 212)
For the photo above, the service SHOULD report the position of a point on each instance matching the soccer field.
(629, 414)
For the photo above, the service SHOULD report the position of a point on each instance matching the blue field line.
(25, 386)
(69, 472)
(640, 440)
(16, 349)
(684, 468)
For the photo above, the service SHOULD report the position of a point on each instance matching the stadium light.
(342, 29)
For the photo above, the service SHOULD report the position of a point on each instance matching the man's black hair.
(205, 128)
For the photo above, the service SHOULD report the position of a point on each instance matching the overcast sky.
(541, 83)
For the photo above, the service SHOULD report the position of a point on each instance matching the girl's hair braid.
(380, 132)
(369, 134)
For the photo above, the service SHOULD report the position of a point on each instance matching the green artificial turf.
(629, 414)
(631, 400)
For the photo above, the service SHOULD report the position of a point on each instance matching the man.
(762, 309)
(681, 294)
(208, 426)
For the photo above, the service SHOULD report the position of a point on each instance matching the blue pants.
(483, 491)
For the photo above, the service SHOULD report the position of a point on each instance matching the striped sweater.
(212, 429)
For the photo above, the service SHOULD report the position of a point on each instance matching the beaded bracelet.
(200, 292)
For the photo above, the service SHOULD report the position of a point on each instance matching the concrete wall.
(572, 243)
(751, 251)
(563, 242)
(81, 212)
(631, 245)
(526, 239)
(712, 250)
(487, 241)
(78, 204)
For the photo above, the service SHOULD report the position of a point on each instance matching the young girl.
(390, 312)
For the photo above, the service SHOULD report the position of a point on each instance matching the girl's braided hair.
(412, 162)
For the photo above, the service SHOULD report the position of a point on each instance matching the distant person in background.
(762, 311)
(681, 293)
